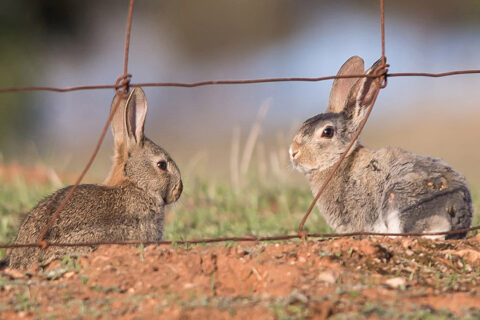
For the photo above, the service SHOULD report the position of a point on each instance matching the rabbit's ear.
(135, 116)
(342, 87)
(362, 94)
(118, 121)
(119, 141)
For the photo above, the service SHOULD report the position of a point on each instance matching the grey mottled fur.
(386, 190)
(134, 209)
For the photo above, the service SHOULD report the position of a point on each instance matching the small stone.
(188, 285)
(69, 275)
(296, 296)
(328, 276)
(13, 273)
(409, 252)
(396, 283)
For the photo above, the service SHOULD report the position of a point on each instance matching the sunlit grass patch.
(17, 198)
(217, 210)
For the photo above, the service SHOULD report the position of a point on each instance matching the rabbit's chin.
(303, 169)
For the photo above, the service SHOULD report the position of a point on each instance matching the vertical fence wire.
(125, 88)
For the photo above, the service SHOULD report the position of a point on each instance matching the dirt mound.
(367, 278)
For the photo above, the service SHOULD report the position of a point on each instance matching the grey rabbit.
(131, 208)
(387, 190)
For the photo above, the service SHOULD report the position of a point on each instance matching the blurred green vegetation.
(17, 198)
(25, 30)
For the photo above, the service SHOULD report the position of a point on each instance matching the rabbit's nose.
(293, 153)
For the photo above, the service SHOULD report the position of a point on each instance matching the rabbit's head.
(142, 162)
(322, 139)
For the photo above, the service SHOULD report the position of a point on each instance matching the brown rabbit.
(387, 190)
(133, 209)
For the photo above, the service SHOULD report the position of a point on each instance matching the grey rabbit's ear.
(362, 94)
(135, 114)
(341, 87)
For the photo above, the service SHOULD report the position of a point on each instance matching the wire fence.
(122, 86)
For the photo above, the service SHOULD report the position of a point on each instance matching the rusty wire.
(379, 73)
(239, 239)
(381, 78)
(124, 80)
(122, 86)
(238, 82)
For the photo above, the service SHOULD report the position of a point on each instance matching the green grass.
(16, 199)
(216, 210)
(206, 209)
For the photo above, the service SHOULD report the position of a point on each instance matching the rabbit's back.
(422, 194)
(393, 190)
(93, 214)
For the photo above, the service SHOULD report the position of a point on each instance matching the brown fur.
(132, 208)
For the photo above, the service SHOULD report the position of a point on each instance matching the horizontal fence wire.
(238, 82)
(122, 86)
(242, 239)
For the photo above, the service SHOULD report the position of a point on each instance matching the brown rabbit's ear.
(362, 94)
(135, 116)
(117, 125)
(118, 120)
(341, 87)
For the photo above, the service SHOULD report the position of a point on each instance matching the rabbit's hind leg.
(428, 213)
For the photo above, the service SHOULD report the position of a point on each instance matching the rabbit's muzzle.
(294, 152)
(175, 193)
(301, 158)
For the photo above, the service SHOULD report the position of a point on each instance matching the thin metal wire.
(382, 29)
(239, 239)
(127, 37)
(380, 73)
(124, 79)
(237, 82)
(62, 204)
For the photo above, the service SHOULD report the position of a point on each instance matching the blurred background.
(67, 43)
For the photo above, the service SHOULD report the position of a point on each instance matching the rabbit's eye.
(162, 165)
(328, 132)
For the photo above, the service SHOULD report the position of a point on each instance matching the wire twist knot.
(382, 73)
(122, 85)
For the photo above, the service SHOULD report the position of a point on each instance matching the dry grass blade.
(234, 155)
(253, 136)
